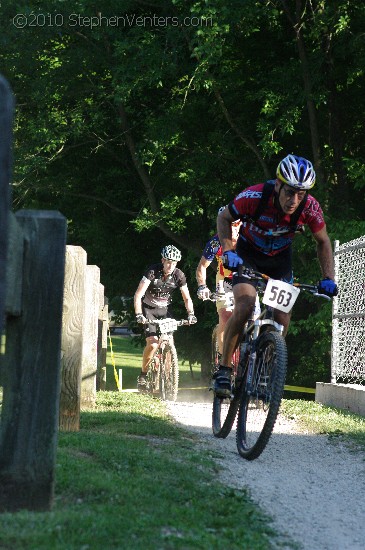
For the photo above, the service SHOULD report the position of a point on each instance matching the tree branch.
(108, 204)
(247, 141)
(187, 243)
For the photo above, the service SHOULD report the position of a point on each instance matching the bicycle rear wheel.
(225, 410)
(169, 373)
(224, 414)
(260, 406)
(215, 354)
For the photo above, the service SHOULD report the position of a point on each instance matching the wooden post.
(102, 341)
(72, 338)
(6, 121)
(90, 338)
(29, 421)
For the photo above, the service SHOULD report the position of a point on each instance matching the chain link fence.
(348, 328)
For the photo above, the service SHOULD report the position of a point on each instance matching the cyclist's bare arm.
(325, 253)
(224, 228)
(201, 271)
(187, 299)
(140, 292)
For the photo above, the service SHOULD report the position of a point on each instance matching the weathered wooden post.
(31, 365)
(72, 338)
(102, 340)
(6, 120)
(90, 338)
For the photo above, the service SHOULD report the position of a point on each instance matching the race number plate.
(280, 295)
(167, 325)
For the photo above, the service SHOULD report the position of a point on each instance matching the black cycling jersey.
(159, 292)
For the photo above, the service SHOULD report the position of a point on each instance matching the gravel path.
(313, 488)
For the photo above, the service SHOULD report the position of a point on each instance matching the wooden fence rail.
(84, 338)
(53, 316)
(31, 364)
(32, 250)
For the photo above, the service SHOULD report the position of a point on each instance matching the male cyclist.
(152, 300)
(264, 244)
(213, 250)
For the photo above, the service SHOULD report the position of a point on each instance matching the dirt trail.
(312, 487)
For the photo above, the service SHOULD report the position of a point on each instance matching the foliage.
(138, 129)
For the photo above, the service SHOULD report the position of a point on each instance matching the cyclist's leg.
(224, 309)
(149, 351)
(151, 346)
(223, 316)
(282, 318)
(245, 297)
(150, 330)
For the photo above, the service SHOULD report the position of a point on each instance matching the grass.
(131, 479)
(322, 419)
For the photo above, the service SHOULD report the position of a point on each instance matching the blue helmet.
(297, 172)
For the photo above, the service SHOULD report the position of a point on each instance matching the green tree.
(138, 129)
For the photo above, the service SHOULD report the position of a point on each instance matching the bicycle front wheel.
(153, 377)
(169, 373)
(260, 403)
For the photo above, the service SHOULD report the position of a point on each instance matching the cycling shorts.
(227, 301)
(277, 267)
(152, 313)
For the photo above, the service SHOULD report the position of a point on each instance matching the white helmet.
(170, 252)
(297, 172)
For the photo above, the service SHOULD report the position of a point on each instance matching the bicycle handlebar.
(216, 296)
(179, 322)
(256, 275)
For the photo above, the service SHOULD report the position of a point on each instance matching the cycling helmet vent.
(297, 172)
(170, 252)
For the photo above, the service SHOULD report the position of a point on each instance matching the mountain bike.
(258, 384)
(163, 373)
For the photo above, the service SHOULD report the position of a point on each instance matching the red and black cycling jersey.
(271, 233)
(159, 292)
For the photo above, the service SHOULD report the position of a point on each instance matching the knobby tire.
(224, 414)
(214, 351)
(169, 373)
(153, 376)
(225, 410)
(258, 411)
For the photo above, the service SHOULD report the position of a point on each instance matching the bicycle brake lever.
(320, 295)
